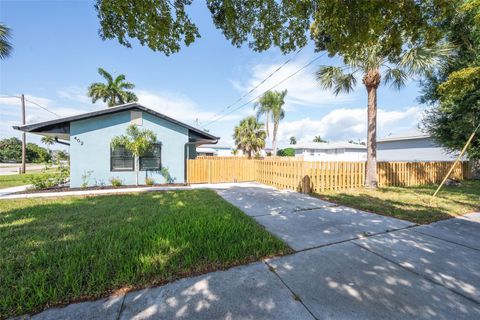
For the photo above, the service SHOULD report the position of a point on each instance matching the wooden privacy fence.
(317, 176)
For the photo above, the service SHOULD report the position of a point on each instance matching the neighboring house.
(214, 150)
(92, 159)
(338, 151)
(411, 146)
(226, 151)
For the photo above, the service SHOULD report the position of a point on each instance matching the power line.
(38, 105)
(273, 87)
(258, 85)
(32, 102)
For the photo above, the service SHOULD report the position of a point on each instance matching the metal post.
(24, 138)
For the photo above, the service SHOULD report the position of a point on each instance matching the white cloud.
(75, 93)
(345, 124)
(303, 89)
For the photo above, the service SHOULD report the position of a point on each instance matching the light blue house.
(93, 162)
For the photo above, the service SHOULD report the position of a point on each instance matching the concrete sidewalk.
(4, 192)
(11, 193)
(348, 265)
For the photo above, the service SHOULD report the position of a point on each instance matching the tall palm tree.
(249, 136)
(114, 92)
(5, 46)
(370, 62)
(270, 105)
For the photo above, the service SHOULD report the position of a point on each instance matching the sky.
(57, 51)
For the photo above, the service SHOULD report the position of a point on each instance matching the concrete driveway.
(348, 265)
(306, 222)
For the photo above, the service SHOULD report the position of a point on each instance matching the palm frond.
(334, 77)
(326, 76)
(5, 46)
(421, 60)
(126, 85)
(396, 77)
(119, 79)
(345, 83)
(97, 91)
(105, 74)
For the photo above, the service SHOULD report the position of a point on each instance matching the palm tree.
(249, 136)
(319, 139)
(138, 142)
(270, 105)
(48, 141)
(5, 46)
(371, 62)
(114, 92)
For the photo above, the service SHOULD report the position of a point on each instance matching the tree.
(48, 141)
(355, 30)
(370, 62)
(114, 92)
(249, 136)
(270, 105)
(362, 143)
(293, 140)
(165, 26)
(11, 151)
(287, 152)
(454, 90)
(37, 154)
(138, 142)
(319, 139)
(5, 46)
(457, 114)
(62, 155)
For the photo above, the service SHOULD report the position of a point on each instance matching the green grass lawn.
(55, 251)
(412, 203)
(13, 180)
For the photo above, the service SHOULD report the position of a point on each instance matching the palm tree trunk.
(136, 170)
(274, 137)
(266, 123)
(371, 170)
(372, 81)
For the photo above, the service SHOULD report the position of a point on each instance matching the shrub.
(166, 175)
(42, 181)
(85, 178)
(149, 181)
(287, 152)
(116, 182)
(45, 181)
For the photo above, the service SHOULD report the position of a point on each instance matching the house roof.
(327, 145)
(60, 128)
(214, 146)
(409, 135)
(206, 150)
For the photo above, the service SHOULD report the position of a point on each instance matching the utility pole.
(24, 137)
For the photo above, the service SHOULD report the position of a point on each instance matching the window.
(152, 160)
(121, 159)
